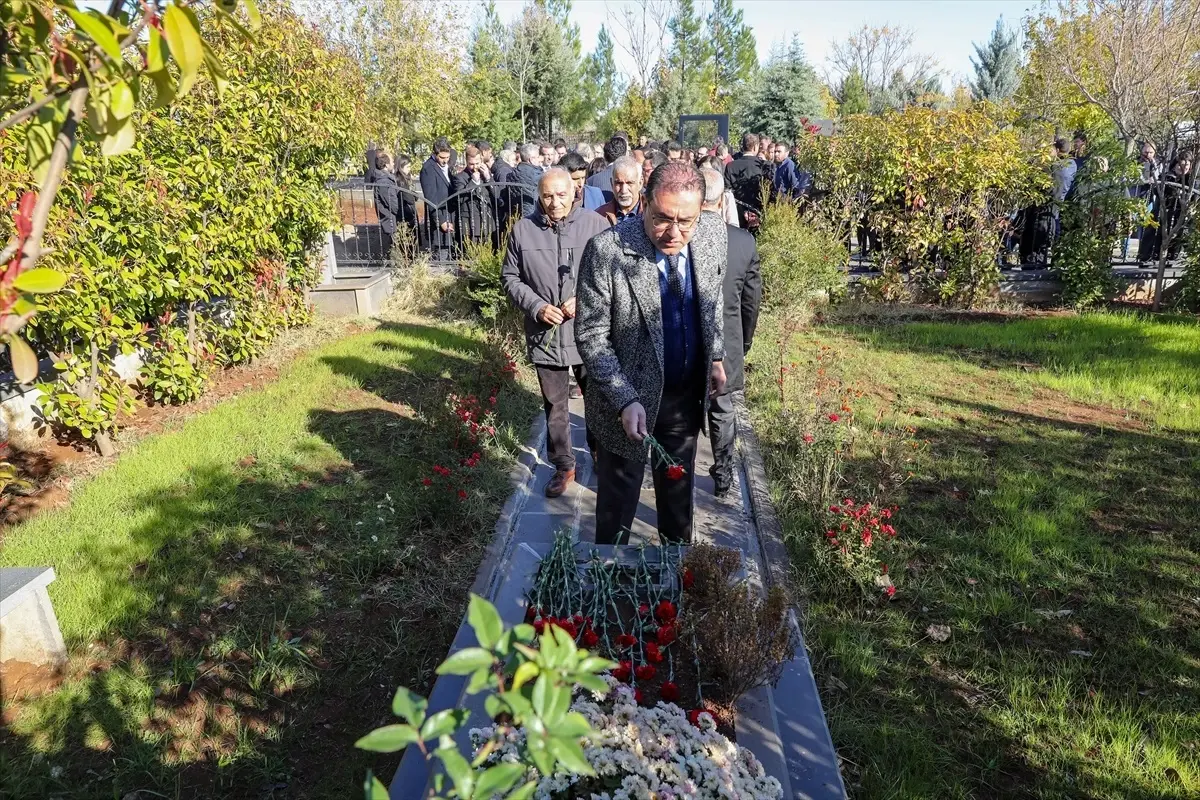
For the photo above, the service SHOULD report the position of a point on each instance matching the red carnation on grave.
(637, 696)
(570, 627)
(462, 494)
(669, 692)
(808, 438)
(665, 635)
(689, 579)
(623, 671)
(427, 481)
(643, 610)
(834, 418)
(645, 672)
(890, 591)
(653, 654)
(539, 626)
(590, 638)
(530, 614)
(694, 716)
(675, 472)
(626, 640)
(665, 612)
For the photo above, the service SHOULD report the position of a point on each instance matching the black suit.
(745, 176)
(436, 188)
(743, 291)
(602, 180)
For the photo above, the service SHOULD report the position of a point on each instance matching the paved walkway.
(727, 521)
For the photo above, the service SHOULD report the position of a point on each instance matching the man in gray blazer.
(649, 333)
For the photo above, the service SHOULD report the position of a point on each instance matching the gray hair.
(529, 151)
(714, 186)
(508, 156)
(553, 172)
(627, 163)
(584, 149)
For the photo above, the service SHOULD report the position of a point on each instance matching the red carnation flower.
(694, 716)
(674, 472)
(426, 481)
(462, 494)
(653, 654)
(891, 591)
(834, 418)
(669, 692)
(623, 671)
(808, 438)
(570, 627)
(643, 610)
(665, 635)
(530, 614)
(665, 612)
(590, 638)
(637, 696)
(645, 672)
(689, 579)
(626, 640)
(540, 626)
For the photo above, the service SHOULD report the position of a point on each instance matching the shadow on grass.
(287, 596)
(1065, 558)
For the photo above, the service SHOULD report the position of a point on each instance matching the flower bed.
(636, 752)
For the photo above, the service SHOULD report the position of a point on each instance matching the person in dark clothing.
(387, 202)
(474, 215)
(745, 175)
(435, 186)
(614, 148)
(788, 181)
(589, 197)
(540, 270)
(528, 174)
(408, 222)
(742, 294)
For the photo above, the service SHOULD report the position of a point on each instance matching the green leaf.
(183, 37)
(24, 360)
(560, 702)
(409, 706)
(498, 779)
(573, 724)
(570, 755)
(388, 739)
(99, 29)
(480, 680)
(485, 620)
(542, 691)
(595, 664)
(523, 792)
(443, 723)
(40, 280)
(526, 672)
(458, 769)
(524, 632)
(120, 104)
(120, 141)
(215, 70)
(593, 683)
(373, 788)
(464, 662)
(39, 142)
(252, 14)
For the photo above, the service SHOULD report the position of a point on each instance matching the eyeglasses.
(682, 225)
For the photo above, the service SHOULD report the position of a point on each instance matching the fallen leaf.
(1047, 613)
(939, 633)
(1081, 653)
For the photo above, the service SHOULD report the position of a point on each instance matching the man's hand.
(716, 380)
(633, 419)
(568, 308)
(447, 226)
(550, 315)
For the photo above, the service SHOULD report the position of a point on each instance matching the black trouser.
(387, 238)
(620, 479)
(556, 392)
(722, 430)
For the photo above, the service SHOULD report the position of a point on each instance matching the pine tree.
(734, 51)
(783, 93)
(853, 97)
(689, 53)
(600, 90)
(494, 113)
(997, 65)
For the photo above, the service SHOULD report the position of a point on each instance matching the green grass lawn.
(242, 595)
(1052, 524)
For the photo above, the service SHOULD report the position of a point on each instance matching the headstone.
(28, 627)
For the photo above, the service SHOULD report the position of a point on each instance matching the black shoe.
(722, 484)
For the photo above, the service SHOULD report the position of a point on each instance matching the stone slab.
(29, 629)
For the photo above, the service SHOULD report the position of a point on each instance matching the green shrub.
(802, 256)
(174, 370)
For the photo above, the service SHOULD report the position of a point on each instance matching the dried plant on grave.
(741, 640)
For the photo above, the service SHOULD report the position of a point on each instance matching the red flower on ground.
(689, 579)
(645, 672)
(570, 627)
(623, 671)
(834, 418)
(669, 692)
(694, 716)
(462, 494)
(643, 610)
(891, 591)
(808, 438)
(675, 472)
(626, 640)
(427, 481)
(637, 696)
(665, 612)
(665, 635)
(590, 638)
(653, 654)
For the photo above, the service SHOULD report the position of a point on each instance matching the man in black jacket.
(528, 174)
(742, 293)
(540, 269)
(435, 187)
(387, 201)
(744, 176)
(614, 148)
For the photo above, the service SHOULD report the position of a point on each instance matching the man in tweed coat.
(649, 333)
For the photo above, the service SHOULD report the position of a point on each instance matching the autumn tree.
(997, 65)
(895, 74)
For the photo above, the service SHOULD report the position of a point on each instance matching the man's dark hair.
(572, 162)
(484, 145)
(614, 148)
(560, 142)
(597, 165)
(675, 176)
(1079, 135)
(656, 158)
(749, 142)
(1061, 145)
(652, 145)
(622, 135)
(673, 147)
(382, 161)
(441, 145)
(542, 145)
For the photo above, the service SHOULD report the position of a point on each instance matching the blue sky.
(942, 28)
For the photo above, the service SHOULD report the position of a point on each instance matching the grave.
(784, 726)
(29, 630)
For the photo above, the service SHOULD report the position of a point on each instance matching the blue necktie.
(674, 280)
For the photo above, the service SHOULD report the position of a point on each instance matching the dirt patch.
(19, 679)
